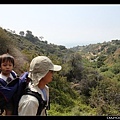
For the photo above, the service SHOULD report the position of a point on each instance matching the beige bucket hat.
(39, 67)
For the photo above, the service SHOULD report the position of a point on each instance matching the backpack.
(15, 89)
(6, 93)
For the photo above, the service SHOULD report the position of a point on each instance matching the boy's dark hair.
(7, 57)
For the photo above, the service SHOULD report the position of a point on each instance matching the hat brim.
(56, 68)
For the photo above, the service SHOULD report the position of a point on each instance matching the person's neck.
(41, 85)
(7, 75)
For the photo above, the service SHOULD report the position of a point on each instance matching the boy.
(40, 72)
(6, 70)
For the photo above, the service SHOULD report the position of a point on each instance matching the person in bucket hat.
(40, 72)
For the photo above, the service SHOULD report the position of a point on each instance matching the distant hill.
(92, 51)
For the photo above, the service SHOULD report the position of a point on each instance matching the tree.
(21, 33)
(75, 71)
(41, 37)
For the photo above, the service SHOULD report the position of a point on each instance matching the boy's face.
(6, 67)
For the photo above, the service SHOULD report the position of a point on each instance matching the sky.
(69, 25)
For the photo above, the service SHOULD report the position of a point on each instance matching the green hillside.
(89, 82)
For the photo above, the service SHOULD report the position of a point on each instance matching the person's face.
(48, 77)
(6, 67)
